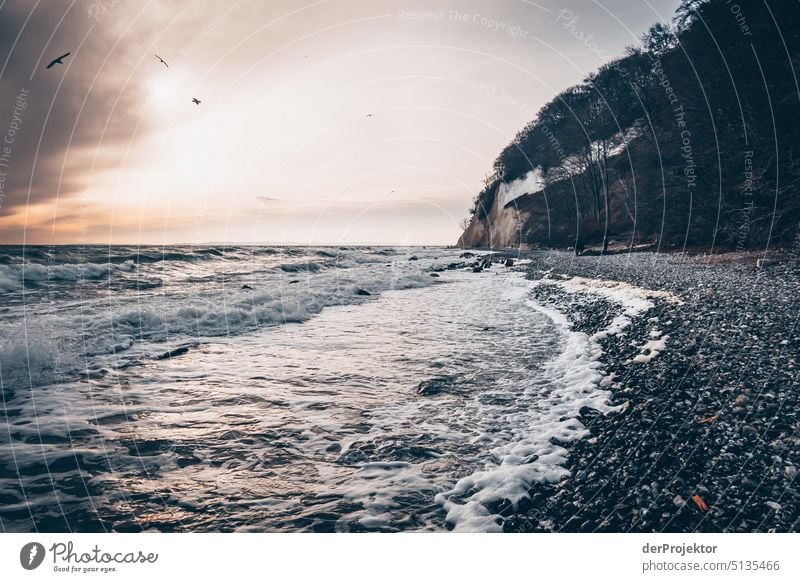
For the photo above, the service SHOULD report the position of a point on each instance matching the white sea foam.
(634, 300)
(304, 426)
(8, 282)
(297, 425)
(46, 342)
(654, 346)
(37, 273)
(575, 379)
(570, 382)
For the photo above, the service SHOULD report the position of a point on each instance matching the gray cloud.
(71, 109)
(285, 94)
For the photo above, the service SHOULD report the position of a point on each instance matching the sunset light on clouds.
(327, 122)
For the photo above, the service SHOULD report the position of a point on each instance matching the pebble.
(725, 356)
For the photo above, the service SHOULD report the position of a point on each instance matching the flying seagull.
(369, 114)
(195, 100)
(59, 60)
(162, 60)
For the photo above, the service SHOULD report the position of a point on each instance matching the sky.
(320, 122)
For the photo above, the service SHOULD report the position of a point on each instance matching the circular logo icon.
(31, 555)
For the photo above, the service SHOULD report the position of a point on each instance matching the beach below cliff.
(705, 378)
(396, 389)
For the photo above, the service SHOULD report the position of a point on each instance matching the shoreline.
(707, 439)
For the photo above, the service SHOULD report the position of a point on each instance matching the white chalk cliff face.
(501, 227)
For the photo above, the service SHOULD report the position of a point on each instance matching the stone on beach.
(716, 414)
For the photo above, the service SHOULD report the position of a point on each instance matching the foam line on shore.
(575, 379)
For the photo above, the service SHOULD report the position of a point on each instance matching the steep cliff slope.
(546, 217)
(499, 225)
(691, 138)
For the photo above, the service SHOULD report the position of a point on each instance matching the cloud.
(74, 110)
(285, 91)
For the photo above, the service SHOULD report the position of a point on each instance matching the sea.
(279, 389)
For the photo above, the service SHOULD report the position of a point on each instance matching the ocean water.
(261, 389)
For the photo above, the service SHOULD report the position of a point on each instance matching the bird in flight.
(369, 114)
(162, 60)
(195, 100)
(59, 60)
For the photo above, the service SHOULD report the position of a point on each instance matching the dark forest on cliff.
(688, 139)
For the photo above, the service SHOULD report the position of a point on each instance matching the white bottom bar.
(354, 557)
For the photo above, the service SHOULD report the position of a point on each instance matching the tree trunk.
(605, 197)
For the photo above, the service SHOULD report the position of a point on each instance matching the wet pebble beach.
(707, 434)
